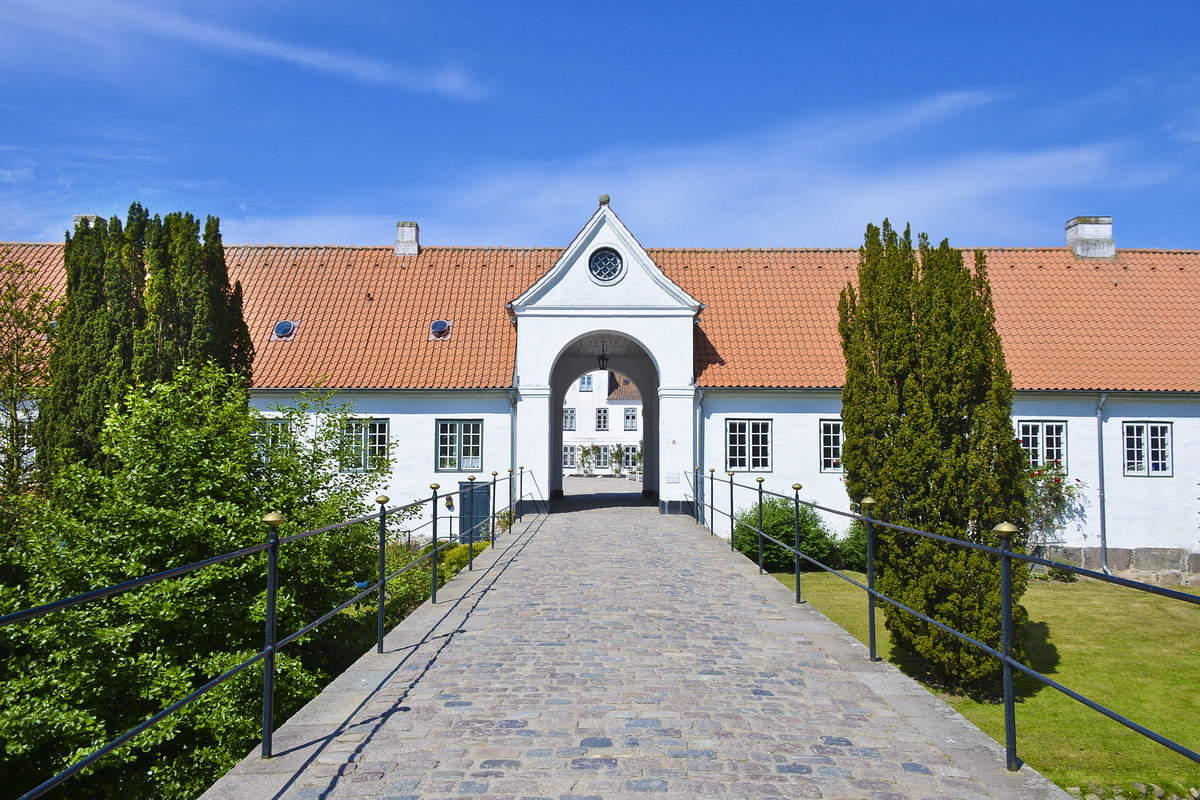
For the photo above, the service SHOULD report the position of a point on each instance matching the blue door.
(474, 510)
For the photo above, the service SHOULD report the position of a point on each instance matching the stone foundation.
(1164, 566)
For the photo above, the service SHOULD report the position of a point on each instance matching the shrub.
(779, 522)
(407, 591)
(852, 548)
(454, 559)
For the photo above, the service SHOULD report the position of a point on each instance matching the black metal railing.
(273, 644)
(704, 500)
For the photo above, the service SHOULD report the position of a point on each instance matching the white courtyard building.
(602, 410)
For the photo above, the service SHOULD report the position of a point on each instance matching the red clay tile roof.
(364, 314)
(1127, 323)
(46, 259)
(621, 388)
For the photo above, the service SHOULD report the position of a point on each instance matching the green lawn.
(1135, 653)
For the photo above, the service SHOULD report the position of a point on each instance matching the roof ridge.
(715, 250)
(752, 249)
(424, 247)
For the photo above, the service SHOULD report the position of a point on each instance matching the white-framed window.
(630, 450)
(631, 418)
(270, 435)
(831, 445)
(748, 445)
(601, 419)
(585, 383)
(602, 461)
(364, 441)
(1148, 449)
(1043, 441)
(459, 445)
(568, 419)
(570, 458)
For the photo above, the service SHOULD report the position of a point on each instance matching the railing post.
(730, 474)
(273, 521)
(492, 525)
(1005, 531)
(521, 495)
(759, 480)
(867, 505)
(471, 522)
(796, 488)
(712, 488)
(433, 556)
(383, 501)
(511, 485)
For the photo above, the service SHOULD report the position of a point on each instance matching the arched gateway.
(605, 296)
(625, 356)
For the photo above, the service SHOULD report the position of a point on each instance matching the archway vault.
(625, 355)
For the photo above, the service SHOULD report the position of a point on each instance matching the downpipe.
(698, 457)
(1100, 487)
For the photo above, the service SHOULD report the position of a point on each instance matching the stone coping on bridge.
(606, 651)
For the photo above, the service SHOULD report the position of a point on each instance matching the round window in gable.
(606, 265)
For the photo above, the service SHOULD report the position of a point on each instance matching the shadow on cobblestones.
(589, 502)
(364, 728)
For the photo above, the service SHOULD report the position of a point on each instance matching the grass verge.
(1132, 652)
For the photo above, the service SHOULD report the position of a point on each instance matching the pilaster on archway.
(605, 289)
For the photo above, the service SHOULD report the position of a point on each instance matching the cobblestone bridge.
(605, 651)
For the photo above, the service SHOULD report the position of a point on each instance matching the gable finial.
(604, 199)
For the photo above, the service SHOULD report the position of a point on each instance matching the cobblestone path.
(603, 652)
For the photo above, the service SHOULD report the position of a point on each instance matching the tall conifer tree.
(73, 406)
(142, 300)
(927, 410)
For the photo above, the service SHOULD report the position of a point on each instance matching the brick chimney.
(1091, 237)
(408, 239)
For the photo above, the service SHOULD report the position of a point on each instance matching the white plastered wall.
(412, 418)
(1140, 511)
(795, 449)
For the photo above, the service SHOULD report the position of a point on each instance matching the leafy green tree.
(27, 314)
(191, 479)
(927, 410)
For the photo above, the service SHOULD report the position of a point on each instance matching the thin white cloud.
(812, 183)
(95, 21)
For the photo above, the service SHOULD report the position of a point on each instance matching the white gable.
(571, 284)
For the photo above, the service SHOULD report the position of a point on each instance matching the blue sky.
(710, 125)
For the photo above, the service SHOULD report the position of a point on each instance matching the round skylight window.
(284, 328)
(606, 265)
